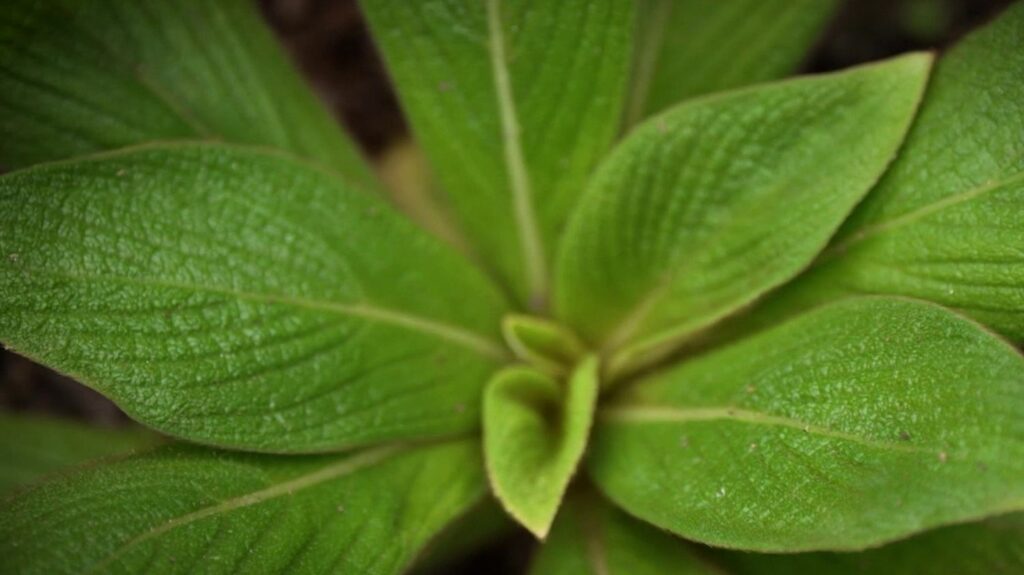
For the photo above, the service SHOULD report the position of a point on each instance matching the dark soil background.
(328, 40)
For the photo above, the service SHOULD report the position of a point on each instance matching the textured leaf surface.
(947, 222)
(188, 510)
(535, 431)
(81, 76)
(31, 447)
(992, 547)
(241, 298)
(688, 48)
(709, 205)
(592, 537)
(850, 426)
(514, 102)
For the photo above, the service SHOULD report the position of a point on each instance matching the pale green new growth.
(542, 343)
(535, 431)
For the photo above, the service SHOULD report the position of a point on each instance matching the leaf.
(514, 103)
(82, 76)
(711, 204)
(992, 547)
(189, 510)
(542, 343)
(946, 223)
(535, 431)
(244, 299)
(591, 536)
(848, 427)
(32, 447)
(688, 48)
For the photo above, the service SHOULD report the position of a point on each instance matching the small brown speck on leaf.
(904, 436)
(943, 457)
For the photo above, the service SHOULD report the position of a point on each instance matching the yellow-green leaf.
(535, 431)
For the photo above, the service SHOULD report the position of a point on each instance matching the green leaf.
(542, 343)
(688, 48)
(711, 204)
(32, 447)
(847, 427)
(535, 431)
(188, 510)
(82, 76)
(241, 298)
(946, 223)
(514, 103)
(992, 547)
(592, 537)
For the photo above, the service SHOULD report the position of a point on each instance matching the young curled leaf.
(535, 431)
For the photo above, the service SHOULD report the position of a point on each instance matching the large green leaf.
(688, 48)
(847, 427)
(32, 447)
(709, 205)
(241, 298)
(992, 547)
(187, 510)
(947, 222)
(514, 102)
(592, 537)
(535, 431)
(81, 76)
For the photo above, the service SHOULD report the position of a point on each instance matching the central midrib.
(334, 471)
(519, 180)
(670, 414)
(366, 311)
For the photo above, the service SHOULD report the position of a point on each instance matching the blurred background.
(329, 42)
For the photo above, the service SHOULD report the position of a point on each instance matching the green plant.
(186, 231)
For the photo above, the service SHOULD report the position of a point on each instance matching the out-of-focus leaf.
(687, 48)
(82, 76)
(991, 547)
(592, 537)
(32, 447)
